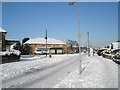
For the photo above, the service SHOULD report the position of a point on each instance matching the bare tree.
(72, 46)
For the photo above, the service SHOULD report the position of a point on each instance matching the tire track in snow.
(26, 77)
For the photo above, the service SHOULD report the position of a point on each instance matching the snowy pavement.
(61, 71)
(118, 77)
(99, 73)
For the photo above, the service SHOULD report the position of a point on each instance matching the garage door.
(59, 50)
(52, 50)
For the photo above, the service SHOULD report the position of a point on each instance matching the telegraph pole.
(88, 44)
(46, 42)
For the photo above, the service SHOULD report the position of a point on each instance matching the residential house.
(10, 44)
(116, 45)
(113, 45)
(2, 40)
(53, 46)
(5, 44)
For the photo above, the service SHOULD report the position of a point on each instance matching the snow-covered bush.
(15, 52)
(25, 49)
(5, 53)
(10, 56)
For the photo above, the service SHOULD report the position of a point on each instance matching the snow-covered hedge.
(15, 52)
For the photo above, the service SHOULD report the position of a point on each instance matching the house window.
(52, 50)
(39, 50)
(59, 50)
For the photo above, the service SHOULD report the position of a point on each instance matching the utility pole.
(88, 44)
(46, 42)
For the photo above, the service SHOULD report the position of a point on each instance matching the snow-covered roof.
(43, 41)
(116, 45)
(2, 30)
(115, 42)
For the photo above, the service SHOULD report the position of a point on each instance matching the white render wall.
(116, 45)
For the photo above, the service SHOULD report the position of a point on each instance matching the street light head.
(71, 3)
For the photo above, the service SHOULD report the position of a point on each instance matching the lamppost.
(79, 34)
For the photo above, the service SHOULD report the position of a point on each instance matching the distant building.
(116, 45)
(5, 44)
(38, 45)
(113, 45)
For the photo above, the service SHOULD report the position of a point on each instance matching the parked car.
(100, 52)
(116, 58)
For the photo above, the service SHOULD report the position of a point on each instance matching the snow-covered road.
(46, 76)
(60, 71)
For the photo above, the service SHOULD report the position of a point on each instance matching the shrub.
(25, 49)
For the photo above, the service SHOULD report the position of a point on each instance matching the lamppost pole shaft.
(79, 34)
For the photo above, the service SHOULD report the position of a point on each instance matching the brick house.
(5, 44)
(2, 40)
(38, 45)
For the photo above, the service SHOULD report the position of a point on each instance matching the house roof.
(2, 30)
(115, 42)
(10, 42)
(43, 41)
